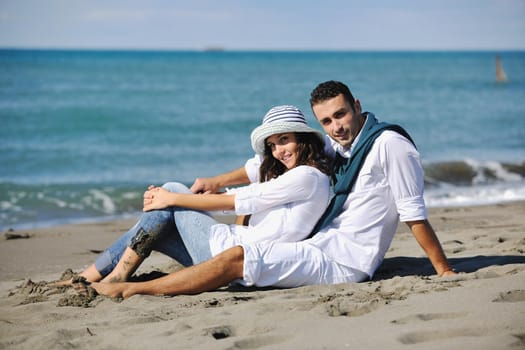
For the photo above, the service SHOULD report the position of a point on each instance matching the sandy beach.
(405, 307)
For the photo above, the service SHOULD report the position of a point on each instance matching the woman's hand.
(156, 198)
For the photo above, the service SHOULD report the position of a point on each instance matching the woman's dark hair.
(310, 150)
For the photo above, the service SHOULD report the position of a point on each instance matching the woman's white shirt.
(284, 209)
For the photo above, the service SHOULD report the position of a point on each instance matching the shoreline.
(56, 223)
(28, 206)
(483, 307)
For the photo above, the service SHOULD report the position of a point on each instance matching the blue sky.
(264, 24)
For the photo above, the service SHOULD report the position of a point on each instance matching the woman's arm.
(297, 184)
(160, 198)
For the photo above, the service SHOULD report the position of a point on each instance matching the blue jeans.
(181, 234)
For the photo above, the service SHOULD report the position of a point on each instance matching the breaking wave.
(451, 183)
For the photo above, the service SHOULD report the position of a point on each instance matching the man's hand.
(205, 185)
(214, 184)
(448, 273)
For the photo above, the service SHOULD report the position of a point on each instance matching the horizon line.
(219, 49)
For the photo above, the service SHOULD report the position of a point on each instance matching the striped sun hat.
(279, 120)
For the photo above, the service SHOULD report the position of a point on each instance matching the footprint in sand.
(220, 332)
(453, 247)
(253, 342)
(259, 341)
(520, 340)
(428, 317)
(512, 296)
(340, 306)
(428, 336)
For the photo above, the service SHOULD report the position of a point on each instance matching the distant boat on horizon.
(213, 49)
(501, 76)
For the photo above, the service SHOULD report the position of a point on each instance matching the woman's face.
(284, 148)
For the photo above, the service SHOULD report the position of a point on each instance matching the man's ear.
(357, 106)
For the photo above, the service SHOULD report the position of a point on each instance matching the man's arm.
(214, 184)
(406, 179)
(427, 239)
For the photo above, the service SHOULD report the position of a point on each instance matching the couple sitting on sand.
(296, 235)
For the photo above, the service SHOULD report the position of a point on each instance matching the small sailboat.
(501, 76)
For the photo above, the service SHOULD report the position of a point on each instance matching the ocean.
(83, 133)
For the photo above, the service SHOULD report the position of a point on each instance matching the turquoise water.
(83, 132)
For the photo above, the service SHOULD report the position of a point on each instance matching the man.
(379, 181)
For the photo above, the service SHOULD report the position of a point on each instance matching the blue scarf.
(347, 170)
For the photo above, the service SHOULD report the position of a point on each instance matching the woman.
(291, 195)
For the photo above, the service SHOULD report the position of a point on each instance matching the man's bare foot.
(112, 290)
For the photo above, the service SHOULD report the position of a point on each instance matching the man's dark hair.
(330, 89)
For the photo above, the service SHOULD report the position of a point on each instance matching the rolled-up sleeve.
(294, 185)
(405, 177)
(252, 166)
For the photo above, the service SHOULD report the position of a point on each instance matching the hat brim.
(262, 132)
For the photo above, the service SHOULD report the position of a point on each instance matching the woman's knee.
(142, 243)
(176, 187)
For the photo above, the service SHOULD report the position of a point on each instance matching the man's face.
(339, 120)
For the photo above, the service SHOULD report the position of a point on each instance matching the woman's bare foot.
(83, 287)
(90, 274)
(126, 266)
(64, 280)
(61, 283)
